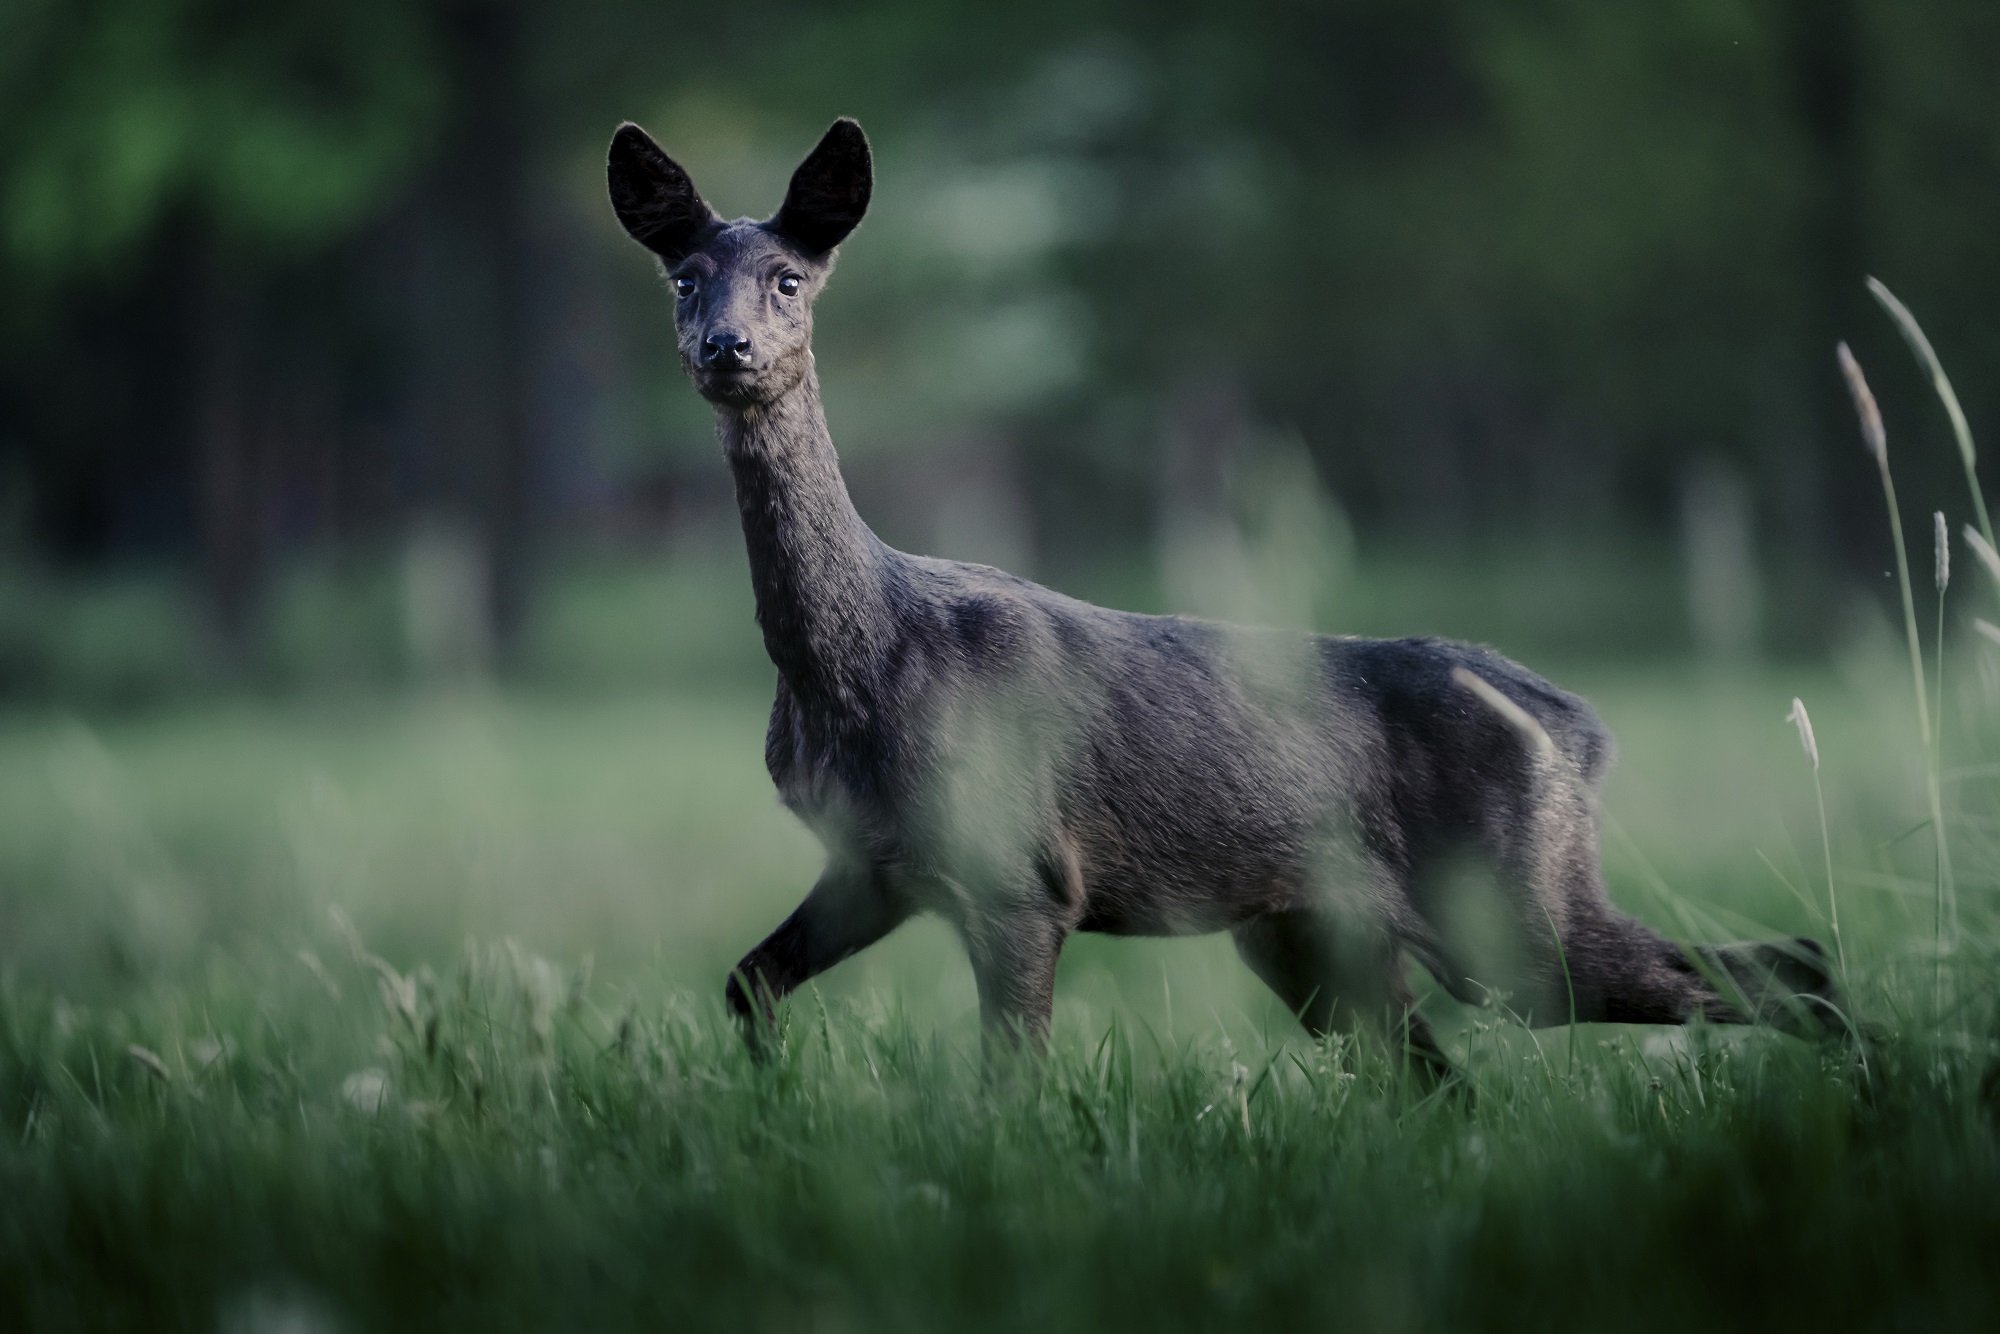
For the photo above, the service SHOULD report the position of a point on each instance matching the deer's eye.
(789, 284)
(684, 287)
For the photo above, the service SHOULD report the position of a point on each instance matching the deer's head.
(743, 290)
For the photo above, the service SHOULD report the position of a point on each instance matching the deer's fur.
(971, 744)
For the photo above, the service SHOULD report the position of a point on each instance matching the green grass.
(502, 1093)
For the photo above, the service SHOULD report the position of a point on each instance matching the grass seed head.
(318, 970)
(1797, 717)
(1941, 540)
(151, 1060)
(1872, 433)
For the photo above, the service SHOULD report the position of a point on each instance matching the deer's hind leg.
(1621, 972)
(1625, 973)
(1339, 976)
(1577, 958)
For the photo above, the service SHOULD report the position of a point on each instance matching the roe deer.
(1027, 765)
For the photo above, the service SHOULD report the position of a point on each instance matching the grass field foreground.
(405, 1015)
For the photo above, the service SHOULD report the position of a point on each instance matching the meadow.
(403, 1011)
(381, 713)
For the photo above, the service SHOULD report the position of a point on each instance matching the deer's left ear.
(829, 191)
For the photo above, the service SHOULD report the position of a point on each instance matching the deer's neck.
(817, 570)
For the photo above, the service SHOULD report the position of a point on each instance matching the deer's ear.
(829, 191)
(653, 197)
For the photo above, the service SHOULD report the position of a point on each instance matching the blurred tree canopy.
(276, 127)
(285, 278)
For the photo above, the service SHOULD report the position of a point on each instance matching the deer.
(970, 744)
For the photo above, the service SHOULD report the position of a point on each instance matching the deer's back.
(1194, 773)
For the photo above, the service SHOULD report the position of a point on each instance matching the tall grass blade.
(1984, 551)
(1941, 546)
(1562, 956)
(1913, 334)
(1873, 435)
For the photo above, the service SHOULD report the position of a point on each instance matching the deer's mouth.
(729, 384)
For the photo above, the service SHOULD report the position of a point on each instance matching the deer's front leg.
(848, 910)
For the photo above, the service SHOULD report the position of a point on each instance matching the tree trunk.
(489, 188)
(228, 463)
(1824, 50)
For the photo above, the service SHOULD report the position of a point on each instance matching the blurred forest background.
(323, 362)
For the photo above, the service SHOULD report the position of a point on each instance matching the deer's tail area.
(1611, 967)
(1555, 726)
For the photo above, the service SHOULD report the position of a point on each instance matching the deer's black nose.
(724, 350)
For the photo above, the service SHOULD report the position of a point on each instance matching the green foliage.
(1492, 263)
(1496, 264)
(118, 642)
(277, 127)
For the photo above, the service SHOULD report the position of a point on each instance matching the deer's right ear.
(653, 197)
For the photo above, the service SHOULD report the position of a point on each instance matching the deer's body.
(1026, 765)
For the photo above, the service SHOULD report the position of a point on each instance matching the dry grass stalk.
(1800, 719)
(1877, 439)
